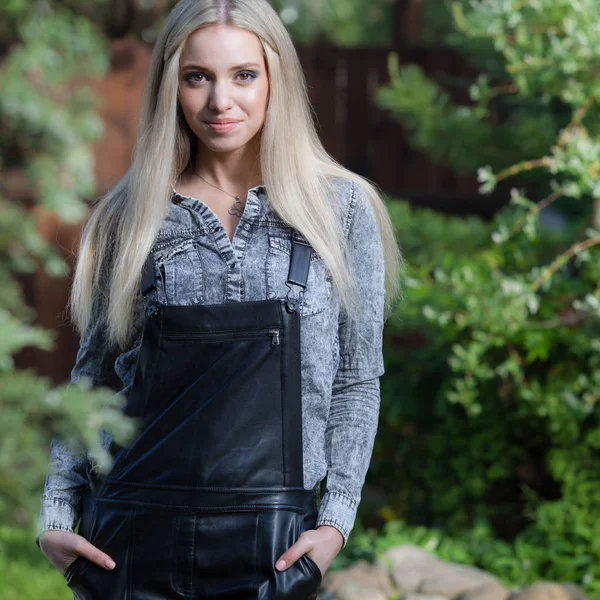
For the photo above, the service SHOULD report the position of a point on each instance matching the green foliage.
(48, 116)
(43, 108)
(462, 136)
(489, 405)
(348, 23)
(493, 365)
(33, 412)
(540, 63)
(26, 573)
(551, 47)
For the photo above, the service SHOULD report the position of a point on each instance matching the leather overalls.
(210, 493)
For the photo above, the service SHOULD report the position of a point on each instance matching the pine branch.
(562, 259)
(527, 165)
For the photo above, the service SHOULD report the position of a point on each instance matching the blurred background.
(479, 121)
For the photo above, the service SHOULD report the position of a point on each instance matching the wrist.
(332, 534)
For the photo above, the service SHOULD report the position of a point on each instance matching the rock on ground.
(410, 573)
(414, 570)
(487, 592)
(575, 592)
(356, 591)
(548, 591)
(424, 597)
(362, 574)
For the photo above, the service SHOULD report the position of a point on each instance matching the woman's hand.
(63, 547)
(321, 544)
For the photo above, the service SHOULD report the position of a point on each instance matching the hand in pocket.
(321, 545)
(61, 548)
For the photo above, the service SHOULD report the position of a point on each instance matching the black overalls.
(210, 493)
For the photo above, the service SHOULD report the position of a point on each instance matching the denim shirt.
(341, 358)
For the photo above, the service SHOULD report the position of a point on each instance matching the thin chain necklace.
(237, 209)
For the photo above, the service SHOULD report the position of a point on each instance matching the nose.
(220, 98)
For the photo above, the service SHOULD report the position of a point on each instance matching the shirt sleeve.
(355, 400)
(66, 480)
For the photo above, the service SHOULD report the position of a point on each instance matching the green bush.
(25, 572)
(490, 405)
(487, 445)
(48, 126)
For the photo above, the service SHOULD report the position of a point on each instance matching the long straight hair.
(121, 229)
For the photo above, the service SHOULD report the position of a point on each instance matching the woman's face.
(223, 86)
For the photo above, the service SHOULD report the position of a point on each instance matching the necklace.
(237, 209)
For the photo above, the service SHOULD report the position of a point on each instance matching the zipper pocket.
(210, 336)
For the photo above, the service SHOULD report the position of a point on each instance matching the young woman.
(233, 286)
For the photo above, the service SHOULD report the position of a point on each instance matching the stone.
(452, 580)
(414, 570)
(350, 590)
(408, 566)
(542, 591)
(361, 573)
(424, 597)
(487, 592)
(574, 591)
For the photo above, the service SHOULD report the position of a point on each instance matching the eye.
(247, 75)
(189, 77)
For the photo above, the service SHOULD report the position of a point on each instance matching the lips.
(222, 126)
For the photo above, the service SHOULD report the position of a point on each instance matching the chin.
(224, 145)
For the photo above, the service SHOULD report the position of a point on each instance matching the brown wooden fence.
(342, 85)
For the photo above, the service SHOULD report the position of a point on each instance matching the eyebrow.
(236, 68)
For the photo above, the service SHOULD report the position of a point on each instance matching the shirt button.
(246, 226)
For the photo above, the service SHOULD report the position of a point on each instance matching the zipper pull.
(152, 310)
(274, 333)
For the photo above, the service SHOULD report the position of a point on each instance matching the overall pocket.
(161, 550)
(310, 563)
(223, 398)
(280, 530)
(113, 524)
(87, 528)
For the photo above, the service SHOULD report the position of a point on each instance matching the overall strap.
(299, 267)
(148, 276)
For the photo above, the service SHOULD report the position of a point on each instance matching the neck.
(235, 170)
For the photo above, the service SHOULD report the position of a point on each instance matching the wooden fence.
(342, 85)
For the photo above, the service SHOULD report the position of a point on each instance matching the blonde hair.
(121, 228)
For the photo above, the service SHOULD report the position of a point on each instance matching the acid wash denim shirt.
(341, 358)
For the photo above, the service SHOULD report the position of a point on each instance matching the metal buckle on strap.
(291, 303)
(299, 268)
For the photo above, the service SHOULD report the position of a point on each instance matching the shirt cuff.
(338, 510)
(56, 514)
